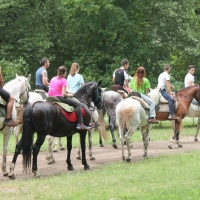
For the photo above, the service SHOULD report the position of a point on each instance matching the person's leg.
(151, 104)
(10, 101)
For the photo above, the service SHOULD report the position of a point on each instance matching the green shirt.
(142, 88)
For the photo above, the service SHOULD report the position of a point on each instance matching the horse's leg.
(100, 140)
(128, 138)
(83, 149)
(36, 148)
(198, 126)
(145, 138)
(61, 145)
(90, 132)
(78, 155)
(69, 148)
(6, 138)
(112, 128)
(18, 149)
(121, 135)
(50, 159)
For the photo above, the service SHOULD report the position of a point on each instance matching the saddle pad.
(163, 100)
(122, 93)
(143, 103)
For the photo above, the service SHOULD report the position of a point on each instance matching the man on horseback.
(165, 88)
(189, 78)
(9, 100)
(42, 76)
(121, 77)
(142, 85)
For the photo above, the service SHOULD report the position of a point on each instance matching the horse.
(19, 90)
(183, 99)
(33, 97)
(110, 99)
(130, 116)
(46, 118)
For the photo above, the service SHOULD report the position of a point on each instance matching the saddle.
(42, 93)
(67, 110)
(116, 88)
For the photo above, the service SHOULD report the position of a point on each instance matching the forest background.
(98, 34)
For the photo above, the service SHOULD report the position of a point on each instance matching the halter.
(97, 101)
(27, 92)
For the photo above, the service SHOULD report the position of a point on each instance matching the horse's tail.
(102, 127)
(126, 113)
(27, 137)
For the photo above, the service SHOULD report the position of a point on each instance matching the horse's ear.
(103, 89)
(99, 83)
(29, 77)
(17, 75)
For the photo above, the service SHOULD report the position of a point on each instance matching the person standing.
(189, 78)
(42, 76)
(74, 79)
(142, 85)
(165, 88)
(57, 88)
(9, 101)
(121, 77)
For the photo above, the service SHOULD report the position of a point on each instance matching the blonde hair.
(74, 68)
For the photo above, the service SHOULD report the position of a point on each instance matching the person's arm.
(1, 78)
(147, 91)
(190, 82)
(168, 86)
(44, 78)
(126, 83)
(64, 93)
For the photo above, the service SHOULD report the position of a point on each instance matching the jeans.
(170, 100)
(151, 104)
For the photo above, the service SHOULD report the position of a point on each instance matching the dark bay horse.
(45, 118)
(183, 99)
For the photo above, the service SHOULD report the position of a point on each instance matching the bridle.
(97, 100)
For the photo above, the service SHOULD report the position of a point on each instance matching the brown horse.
(183, 100)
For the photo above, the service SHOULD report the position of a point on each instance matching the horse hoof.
(101, 145)
(170, 146)
(92, 158)
(128, 160)
(180, 146)
(70, 168)
(86, 167)
(78, 157)
(12, 177)
(51, 162)
(145, 156)
(114, 146)
(62, 148)
(5, 174)
(196, 140)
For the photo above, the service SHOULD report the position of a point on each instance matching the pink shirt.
(55, 86)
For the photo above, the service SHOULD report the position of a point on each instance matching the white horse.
(19, 89)
(131, 115)
(33, 97)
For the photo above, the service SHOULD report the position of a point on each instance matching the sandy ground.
(104, 156)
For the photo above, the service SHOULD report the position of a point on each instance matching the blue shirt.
(38, 76)
(74, 82)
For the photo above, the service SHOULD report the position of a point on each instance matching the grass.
(163, 178)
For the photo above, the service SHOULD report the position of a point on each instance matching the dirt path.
(104, 155)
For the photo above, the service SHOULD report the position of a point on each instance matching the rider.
(121, 77)
(189, 78)
(165, 88)
(10, 101)
(42, 76)
(141, 84)
(57, 88)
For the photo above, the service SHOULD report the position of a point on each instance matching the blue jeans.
(170, 100)
(151, 104)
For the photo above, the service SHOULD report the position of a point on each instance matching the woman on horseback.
(57, 88)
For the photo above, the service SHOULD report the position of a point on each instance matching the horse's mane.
(186, 88)
(82, 90)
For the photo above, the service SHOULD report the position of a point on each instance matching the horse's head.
(154, 95)
(25, 88)
(97, 95)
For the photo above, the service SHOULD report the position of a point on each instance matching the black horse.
(45, 118)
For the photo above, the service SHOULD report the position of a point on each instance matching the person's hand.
(70, 95)
(172, 87)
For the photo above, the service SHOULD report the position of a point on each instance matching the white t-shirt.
(188, 78)
(163, 77)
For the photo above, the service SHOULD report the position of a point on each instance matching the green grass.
(171, 177)
(163, 178)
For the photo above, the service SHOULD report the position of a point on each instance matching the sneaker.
(173, 117)
(82, 127)
(153, 121)
(94, 124)
(10, 122)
